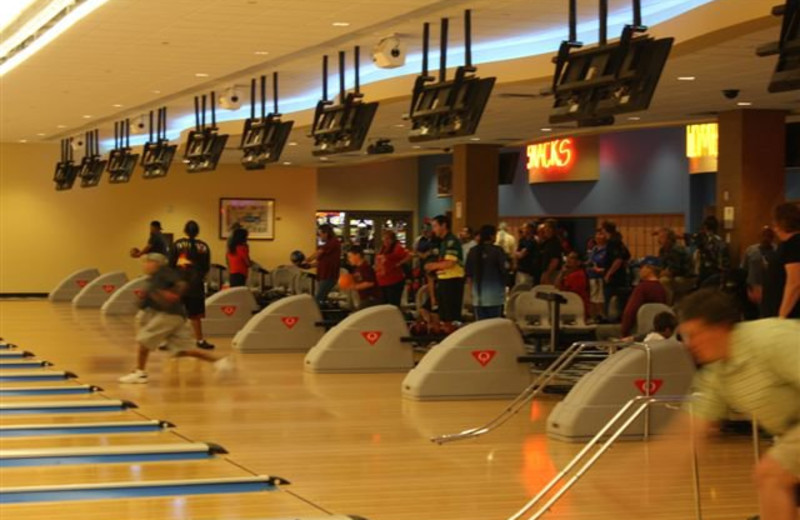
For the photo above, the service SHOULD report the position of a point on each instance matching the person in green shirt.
(449, 269)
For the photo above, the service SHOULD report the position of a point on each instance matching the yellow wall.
(45, 235)
(383, 186)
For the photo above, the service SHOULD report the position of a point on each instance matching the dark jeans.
(450, 296)
(237, 280)
(487, 313)
(393, 294)
(621, 292)
(324, 287)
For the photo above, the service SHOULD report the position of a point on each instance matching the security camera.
(389, 52)
(731, 93)
(78, 146)
(139, 125)
(231, 99)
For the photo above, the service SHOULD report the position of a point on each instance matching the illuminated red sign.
(558, 155)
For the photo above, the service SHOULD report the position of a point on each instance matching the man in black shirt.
(782, 281)
(527, 256)
(192, 259)
(550, 253)
(156, 243)
(615, 269)
(162, 321)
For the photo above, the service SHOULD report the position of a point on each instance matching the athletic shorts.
(154, 329)
(596, 290)
(787, 451)
(195, 306)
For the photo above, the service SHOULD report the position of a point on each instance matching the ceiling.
(144, 53)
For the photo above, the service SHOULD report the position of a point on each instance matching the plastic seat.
(573, 314)
(646, 314)
(531, 314)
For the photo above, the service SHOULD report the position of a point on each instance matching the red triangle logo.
(290, 321)
(108, 288)
(228, 310)
(82, 283)
(484, 357)
(655, 385)
(139, 293)
(372, 336)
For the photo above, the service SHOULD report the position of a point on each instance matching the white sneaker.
(224, 366)
(136, 377)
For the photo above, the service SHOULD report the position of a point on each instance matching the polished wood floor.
(348, 443)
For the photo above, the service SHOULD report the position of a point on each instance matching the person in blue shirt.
(596, 260)
(486, 275)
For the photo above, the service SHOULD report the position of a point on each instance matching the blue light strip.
(42, 376)
(521, 46)
(15, 354)
(55, 409)
(138, 490)
(47, 390)
(81, 429)
(65, 460)
(22, 365)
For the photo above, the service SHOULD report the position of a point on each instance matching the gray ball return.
(99, 290)
(228, 311)
(70, 286)
(291, 324)
(126, 300)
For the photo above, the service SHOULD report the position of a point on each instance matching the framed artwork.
(257, 216)
(444, 181)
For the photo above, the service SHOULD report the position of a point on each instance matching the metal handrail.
(639, 405)
(533, 390)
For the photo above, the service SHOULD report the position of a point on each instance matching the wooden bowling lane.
(120, 415)
(251, 506)
(351, 443)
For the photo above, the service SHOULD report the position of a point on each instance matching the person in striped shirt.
(753, 368)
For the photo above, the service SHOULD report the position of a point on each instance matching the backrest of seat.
(527, 308)
(647, 313)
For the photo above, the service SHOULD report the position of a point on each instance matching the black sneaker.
(205, 345)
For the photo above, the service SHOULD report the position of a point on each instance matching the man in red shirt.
(648, 290)
(365, 281)
(388, 267)
(328, 260)
(573, 278)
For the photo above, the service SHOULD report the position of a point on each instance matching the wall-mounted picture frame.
(257, 216)
(444, 181)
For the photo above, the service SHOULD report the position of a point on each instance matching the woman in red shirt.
(389, 268)
(238, 258)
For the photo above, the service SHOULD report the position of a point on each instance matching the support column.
(752, 173)
(475, 185)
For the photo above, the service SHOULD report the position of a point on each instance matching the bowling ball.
(297, 257)
(346, 281)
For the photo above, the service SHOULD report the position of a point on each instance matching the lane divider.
(23, 364)
(109, 454)
(56, 407)
(35, 375)
(17, 391)
(99, 428)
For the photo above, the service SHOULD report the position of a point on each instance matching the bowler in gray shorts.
(162, 321)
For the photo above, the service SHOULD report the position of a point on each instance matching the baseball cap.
(652, 261)
(156, 224)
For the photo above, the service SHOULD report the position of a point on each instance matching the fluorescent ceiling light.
(686, 78)
(261, 53)
(201, 75)
(341, 24)
(744, 103)
(78, 12)
(10, 11)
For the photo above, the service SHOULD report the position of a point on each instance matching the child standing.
(162, 321)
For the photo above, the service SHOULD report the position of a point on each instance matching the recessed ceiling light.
(474, 138)
(323, 158)
(200, 75)
(156, 92)
(87, 117)
(261, 53)
(287, 163)
(686, 78)
(547, 129)
(744, 103)
(116, 105)
(399, 125)
(41, 134)
(634, 118)
(61, 126)
(293, 143)
(416, 147)
(23, 140)
(341, 24)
